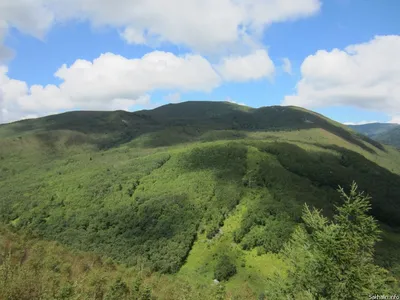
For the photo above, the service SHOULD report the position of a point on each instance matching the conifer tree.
(333, 259)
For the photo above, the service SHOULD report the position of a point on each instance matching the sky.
(340, 58)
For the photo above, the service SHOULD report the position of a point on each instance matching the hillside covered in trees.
(175, 197)
(386, 133)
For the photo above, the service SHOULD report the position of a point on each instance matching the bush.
(224, 269)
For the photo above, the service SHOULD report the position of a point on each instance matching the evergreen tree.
(118, 290)
(333, 259)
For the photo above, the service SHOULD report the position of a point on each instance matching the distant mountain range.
(386, 133)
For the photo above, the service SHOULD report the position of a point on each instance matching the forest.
(221, 202)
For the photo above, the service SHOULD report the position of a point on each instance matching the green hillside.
(171, 190)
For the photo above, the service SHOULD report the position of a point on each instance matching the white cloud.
(5, 52)
(364, 75)
(360, 123)
(133, 36)
(110, 82)
(287, 66)
(113, 82)
(234, 102)
(28, 16)
(173, 97)
(202, 25)
(250, 67)
(156, 70)
(395, 119)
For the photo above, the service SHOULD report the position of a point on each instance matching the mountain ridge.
(387, 133)
(204, 115)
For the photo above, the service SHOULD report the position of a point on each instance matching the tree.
(224, 268)
(117, 291)
(333, 259)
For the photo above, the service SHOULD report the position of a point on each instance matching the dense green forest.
(165, 201)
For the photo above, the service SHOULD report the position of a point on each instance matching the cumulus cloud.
(202, 25)
(32, 17)
(112, 82)
(364, 75)
(108, 82)
(156, 70)
(28, 16)
(249, 67)
(287, 66)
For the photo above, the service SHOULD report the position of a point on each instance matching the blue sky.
(343, 55)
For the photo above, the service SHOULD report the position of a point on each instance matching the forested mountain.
(386, 133)
(390, 137)
(373, 129)
(192, 191)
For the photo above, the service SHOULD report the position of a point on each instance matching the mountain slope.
(373, 129)
(390, 137)
(382, 132)
(173, 188)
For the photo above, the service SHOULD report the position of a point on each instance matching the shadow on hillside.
(228, 162)
(325, 169)
(263, 119)
(288, 182)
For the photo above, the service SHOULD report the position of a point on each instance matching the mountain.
(170, 190)
(373, 129)
(390, 137)
(385, 133)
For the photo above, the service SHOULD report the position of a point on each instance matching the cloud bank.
(112, 82)
(202, 25)
(365, 76)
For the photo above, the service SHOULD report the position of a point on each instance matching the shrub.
(224, 269)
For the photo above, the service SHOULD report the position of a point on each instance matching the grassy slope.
(32, 269)
(149, 187)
